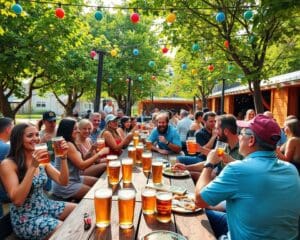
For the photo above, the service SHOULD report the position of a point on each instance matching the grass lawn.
(28, 116)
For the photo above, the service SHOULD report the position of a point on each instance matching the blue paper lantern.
(195, 47)
(220, 17)
(17, 8)
(183, 66)
(135, 52)
(248, 15)
(151, 64)
(98, 15)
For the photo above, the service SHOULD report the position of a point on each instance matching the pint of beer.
(100, 144)
(139, 151)
(146, 161)
(191, 145)
(114, 172)
(126, 202)
(163, 206)
(110, 158)
(56, 144)
(148, 145)
(102, 202)
(132, 153)
(136, 140)
(46, 158)
(127, 165)
(148, 201)
(157, 167)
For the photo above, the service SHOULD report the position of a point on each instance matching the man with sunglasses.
(262, 192)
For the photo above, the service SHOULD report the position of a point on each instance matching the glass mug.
(56, 144)
(102, 201)
(46, 159)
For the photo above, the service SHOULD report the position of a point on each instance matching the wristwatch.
(209, 165)
(167, 143)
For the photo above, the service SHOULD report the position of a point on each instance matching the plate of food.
(184, 203)
(163, 235)
(170, 172)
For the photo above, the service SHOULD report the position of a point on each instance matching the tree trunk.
(204, 101)
(5, 107)
(257, 97)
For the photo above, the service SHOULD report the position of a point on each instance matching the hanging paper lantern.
(220, 17)
(153, 77)
(195, 47)
(135, 52)
(164, 50)
(210, 67)
(183, 66)
(109, 80)
(17, 8)
(98, 15)
(151, 64)
(194, 71)
(248, 15)
(140, 78)
(251, 39)
(171, 17)
(135, 18)
(93, 54)
(230, 67)
(59, 12)
(113, 52)
(226, 43)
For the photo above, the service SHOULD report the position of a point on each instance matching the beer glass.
(220, 146)
(139, 151)
(163, 206)
(146, 161)
(110, 158)
(173, 161)
(132, 153)
(148, 145)
(157, 167)
(100, 144)
(102, 201)
(127, 165)
(148, 200)
(126, 202)
(136, 140)
(114, 172)
(191, 145)
(56, 144)
(46, 158)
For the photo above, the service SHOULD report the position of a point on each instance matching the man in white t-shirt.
(109, 107)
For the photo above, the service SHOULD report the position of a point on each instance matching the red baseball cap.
(264, 127)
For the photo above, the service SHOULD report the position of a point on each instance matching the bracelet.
(167, 143)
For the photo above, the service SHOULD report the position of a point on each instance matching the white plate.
(163, 235)
(182, 204)
(168, 172)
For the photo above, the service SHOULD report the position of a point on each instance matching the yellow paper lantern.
(171, 17)
(113, 52)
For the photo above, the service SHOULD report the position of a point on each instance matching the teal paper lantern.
(248, 15)
(151, 64)
(183, 66)
(140, 78)
(251, 39)
(17, 8)
(135, 52)
(98, 15)
(220, 17)
(195, 47)
(230, 67)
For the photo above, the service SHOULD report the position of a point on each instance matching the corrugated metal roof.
(292, 78)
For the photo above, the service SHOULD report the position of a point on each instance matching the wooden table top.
(192, 226)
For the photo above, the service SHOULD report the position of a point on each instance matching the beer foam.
(127, 161)
(157, 163)
(103, 193)
(164, 196)
(112, 157)
(126, 194)
(149, 193)
(147, 154)
(131, 149)
(140, 146)
(114, 164)
(40, 146)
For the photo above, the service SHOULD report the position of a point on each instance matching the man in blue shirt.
(262, 192)
(6, 125)
(164, 137)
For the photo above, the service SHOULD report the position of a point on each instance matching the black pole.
(222, 97)
(128, 107)
(99, 80)
(194, 104)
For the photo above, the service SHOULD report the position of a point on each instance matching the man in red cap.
(262, 192)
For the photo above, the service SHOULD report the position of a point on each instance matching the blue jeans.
(218, 222)
(188, 160)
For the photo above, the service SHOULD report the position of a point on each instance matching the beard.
(162, 129)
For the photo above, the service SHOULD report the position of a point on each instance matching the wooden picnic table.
(192, 225)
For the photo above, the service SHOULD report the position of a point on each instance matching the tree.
(248, 39)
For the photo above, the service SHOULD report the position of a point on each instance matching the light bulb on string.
(135, 52)
(98, 15)
(226, 44)
(220, 17)
(164, 50)
(135, 17)
(195, 47)
(248, 15)
(113, 52)
(151, 64)
(184, 66)
(93, 54)
(210, 68)
(59, 12)
(171, 17)
(17, 8)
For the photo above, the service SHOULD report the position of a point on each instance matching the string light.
(98, 14)
(17, 8)
(59, 12)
